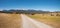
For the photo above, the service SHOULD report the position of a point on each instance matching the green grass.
(50, 20)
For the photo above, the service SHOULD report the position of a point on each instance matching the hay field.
(47, 19)
(10, 20)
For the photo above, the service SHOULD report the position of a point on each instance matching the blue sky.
(46, 5)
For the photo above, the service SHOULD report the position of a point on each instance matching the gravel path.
(28, 22)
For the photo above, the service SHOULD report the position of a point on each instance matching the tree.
(57, 15)
(52, 15)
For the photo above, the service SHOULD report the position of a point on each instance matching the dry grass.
(10, 20)
(50, 20)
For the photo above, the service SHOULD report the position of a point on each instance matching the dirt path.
(30, 23)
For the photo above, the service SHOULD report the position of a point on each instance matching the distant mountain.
(57, 11)
(26, 11)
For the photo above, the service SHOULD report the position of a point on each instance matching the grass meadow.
(10, 20)
(47, 19)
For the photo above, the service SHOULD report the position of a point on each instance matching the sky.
(45, 5)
